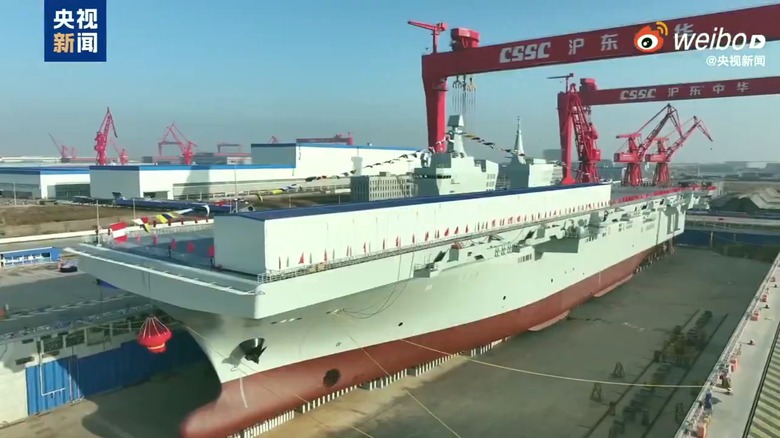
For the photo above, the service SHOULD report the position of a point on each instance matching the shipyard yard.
(626, 326)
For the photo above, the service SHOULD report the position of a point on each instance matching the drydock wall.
(41, 374)
(292, 237)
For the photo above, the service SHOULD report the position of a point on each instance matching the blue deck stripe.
(403, 202)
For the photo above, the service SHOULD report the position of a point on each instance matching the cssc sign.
(525, 53)
(638, 94)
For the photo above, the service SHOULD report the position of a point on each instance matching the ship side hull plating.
(324, 348)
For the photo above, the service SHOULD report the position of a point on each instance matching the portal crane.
(66, 153)
(186, 147)
(664, 153)
(121, 153)
(468, 58)
(634, 156)
(101, 138)
(576, 123)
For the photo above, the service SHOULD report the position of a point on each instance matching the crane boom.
(635, 155)
(101, 138)
(664, 153)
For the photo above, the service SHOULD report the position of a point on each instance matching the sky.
(241, 71)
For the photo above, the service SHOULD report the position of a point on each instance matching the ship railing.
(132, 234)
(72, 324)
(726, 225)
(284, 274)
(697, 411)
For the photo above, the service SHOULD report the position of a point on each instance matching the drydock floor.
(475, 400)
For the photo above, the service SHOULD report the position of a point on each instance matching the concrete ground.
(476, 400)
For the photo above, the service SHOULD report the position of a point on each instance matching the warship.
(297, 305)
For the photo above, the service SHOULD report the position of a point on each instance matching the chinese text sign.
(74, 30)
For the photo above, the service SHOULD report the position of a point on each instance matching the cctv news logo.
(651, 39)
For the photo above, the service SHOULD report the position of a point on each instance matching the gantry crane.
(336, 139)
(664, 153)
(186, 147)
(237, 146)
(121, 153)
(468, 58)
(634, 156)
(101, 139)
(66, 153)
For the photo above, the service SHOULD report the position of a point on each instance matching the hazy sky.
(244, 70)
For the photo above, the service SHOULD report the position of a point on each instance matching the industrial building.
(275, 165)
(56, 182)
(762, 201)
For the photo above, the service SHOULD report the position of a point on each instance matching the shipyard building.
(275, 165)
(55, 182)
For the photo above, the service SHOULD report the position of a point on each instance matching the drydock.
(566, 222)
(476, 399)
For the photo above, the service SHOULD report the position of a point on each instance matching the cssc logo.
(649, 39)
(638, 94)
(525, 53)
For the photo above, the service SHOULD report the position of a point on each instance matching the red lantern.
(153, 335)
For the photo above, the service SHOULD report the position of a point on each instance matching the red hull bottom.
(259, 397)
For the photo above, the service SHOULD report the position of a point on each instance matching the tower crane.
(664, 153)
(576, 123)
(101, 139)
(121, 153)
(173, 135)
(634, 156)
(66, 153)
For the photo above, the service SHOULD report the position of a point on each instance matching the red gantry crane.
(173, 136)
(664, 153)
(101, 139)
(468, 58)
(336, 139)
(634, 155)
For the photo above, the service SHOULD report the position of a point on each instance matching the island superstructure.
(297, 304)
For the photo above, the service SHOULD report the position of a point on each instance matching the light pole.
(14, 186)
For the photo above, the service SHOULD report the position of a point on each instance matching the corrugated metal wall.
(55, 383)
